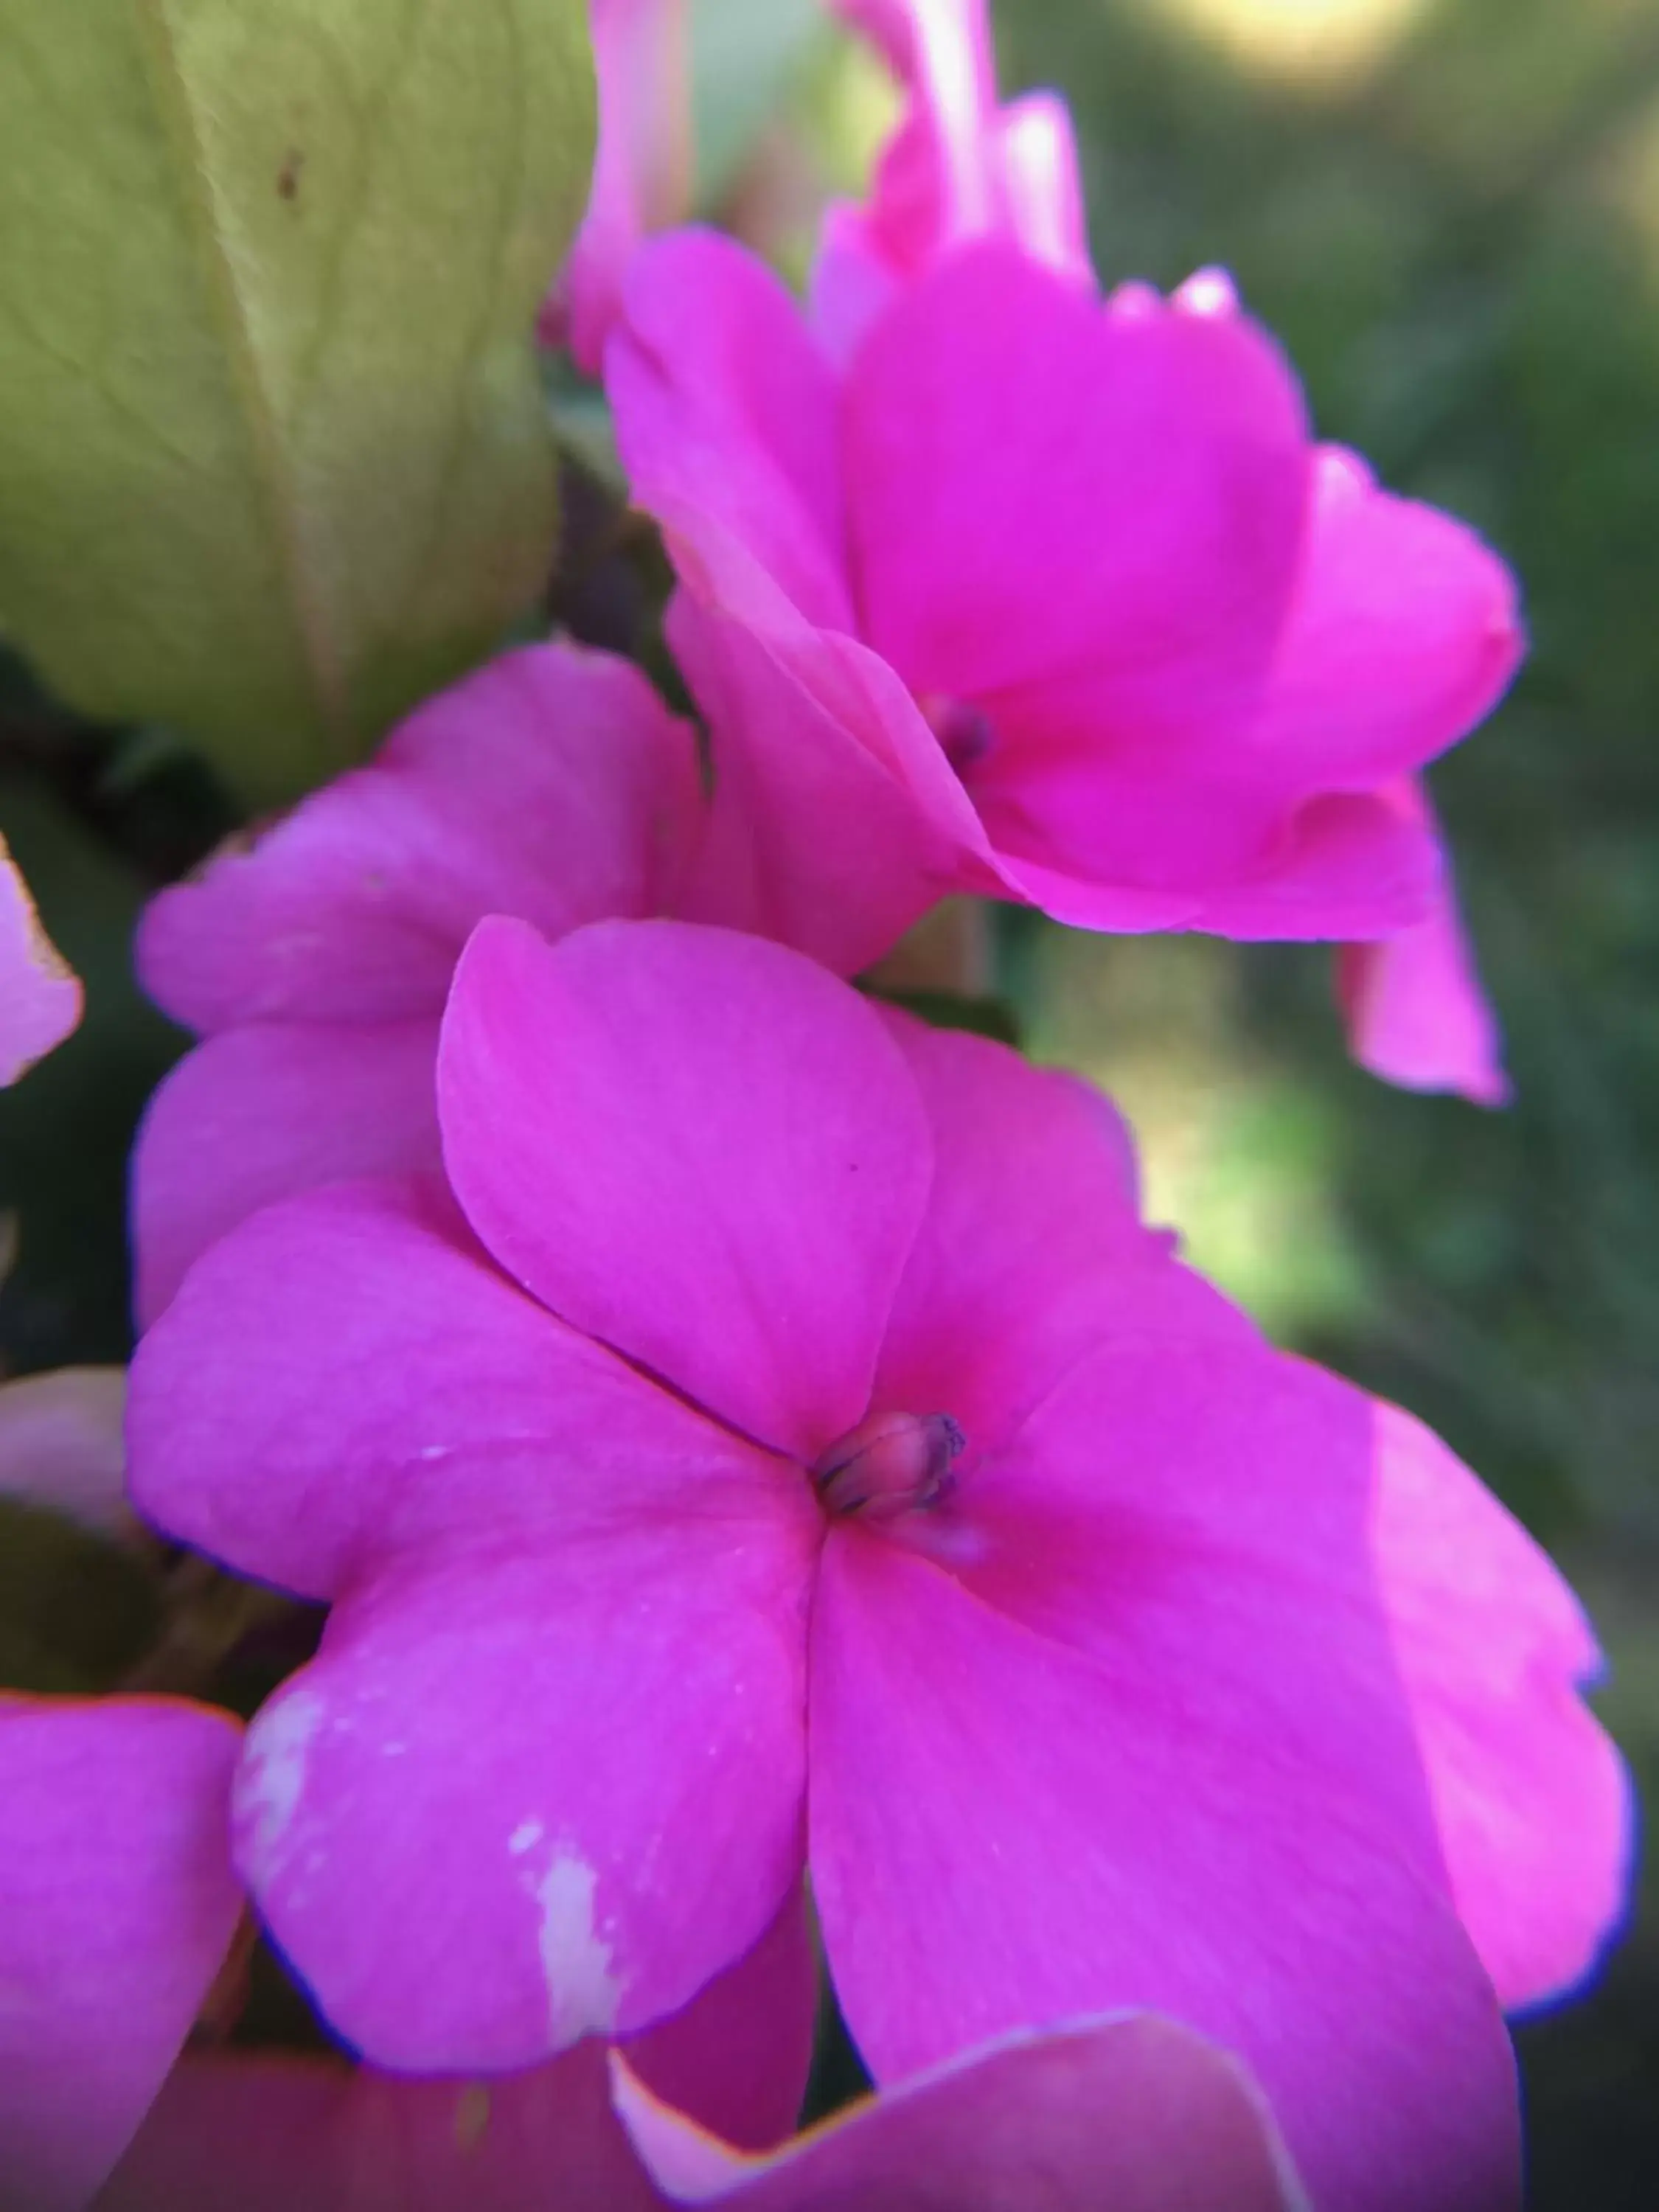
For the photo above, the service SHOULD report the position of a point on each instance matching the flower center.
(889, 1465)
(963, 731)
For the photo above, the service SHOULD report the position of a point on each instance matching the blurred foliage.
(1449, 211)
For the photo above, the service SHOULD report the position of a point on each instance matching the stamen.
(891, 1463)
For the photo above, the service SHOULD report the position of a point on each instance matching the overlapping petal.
(552, 783)
(267, 1109)
(1032, 1249)
(528, 1794)
(116, 1905)
(1532, 1802)
(348, 1375)
(732, 1119)
(1051, 1823)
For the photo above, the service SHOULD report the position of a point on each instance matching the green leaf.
(274, 461)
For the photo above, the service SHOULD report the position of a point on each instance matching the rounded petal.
(1415, 1011)
(1403, 633)
(696, 1146)
(1352, 865)
(238, 2133)
(1004, 1830)
(726, 416)
(116, 1905)
(817, 837)
(1133, 2112)
(552, 783)
(737, 2060)
(61, 1444)
(347, 1375)
(263, 1112)
(528, 1794)
(40, 998)
(1535, 1810)
(1032, 1245)
(1045, 493)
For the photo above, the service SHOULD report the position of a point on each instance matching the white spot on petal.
(582, 1992)
(524, 1838)
(273, 1770)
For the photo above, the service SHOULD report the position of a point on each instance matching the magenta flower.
(785, 1443)
(552, 784)
(1056, 595)
(117, 1907)
(641, 168)
(958, 168)
(40, 998)
(1132, 2112)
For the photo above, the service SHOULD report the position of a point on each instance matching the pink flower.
(960, 167)
(552, 784)
(40, 998)
(787, 1444)
(117, 1906)
(1135, 2112)
(1054, 598)
(642, 171)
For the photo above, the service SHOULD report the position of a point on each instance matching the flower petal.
(1415, 1011)
(347, 1375)
(237, 2133)
(737, 2059)
(264, 1111)
(725, 415)
(552, 783)
(40, 998)
(1003, 1830)
(527, 1794)
(1044, 492)
(116, 1905)
(1032, 1245)
(816, 839)
(1404, 633)
(1533, 1805)
(1134, 2113)
(697, 1147)
(641, 169)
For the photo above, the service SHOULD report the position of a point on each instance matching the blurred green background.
(1449, 210)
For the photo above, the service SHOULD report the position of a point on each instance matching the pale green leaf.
(273, 457)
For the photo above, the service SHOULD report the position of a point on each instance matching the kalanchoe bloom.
(960, 166)
(782, 1393)
(552, 784)
(641, 169)
(40, 998)
(1053, 596)
(117, 1906)
(1134, 2112)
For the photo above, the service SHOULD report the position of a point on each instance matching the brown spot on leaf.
(288, 177)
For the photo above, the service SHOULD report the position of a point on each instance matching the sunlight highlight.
(1325, 44)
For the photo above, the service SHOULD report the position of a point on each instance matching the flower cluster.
(778, 1507)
